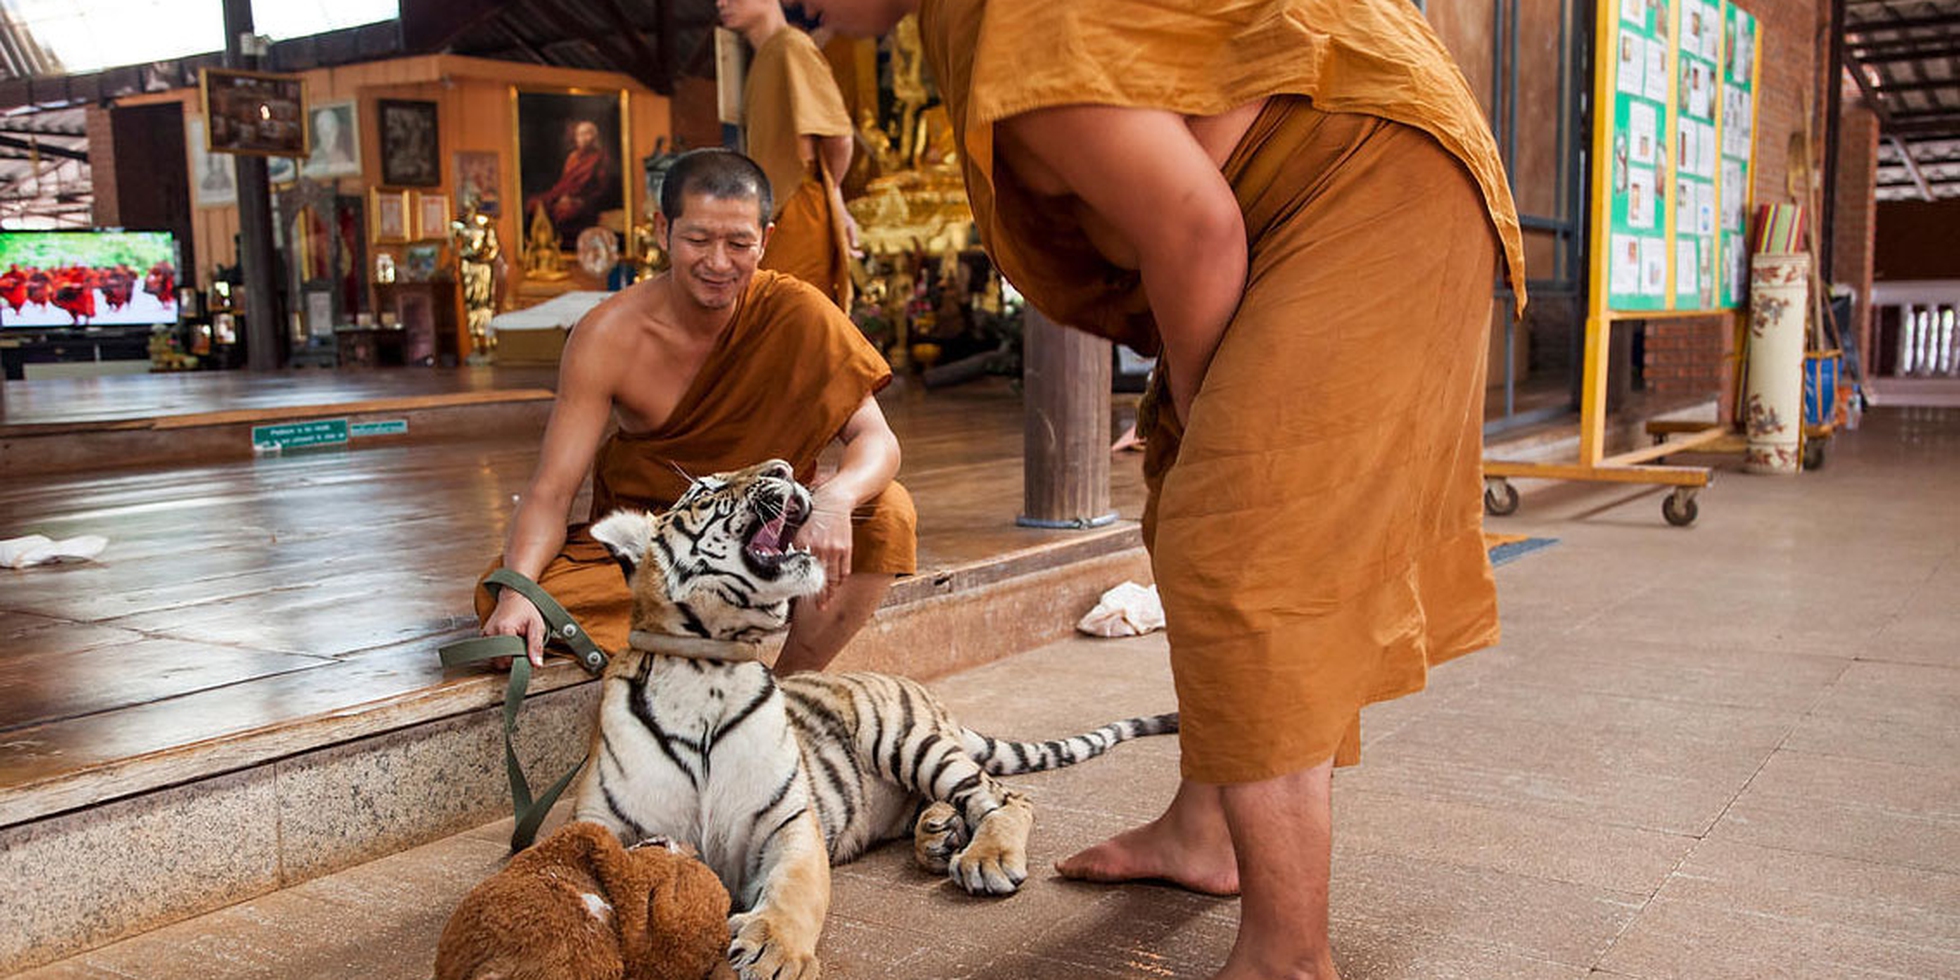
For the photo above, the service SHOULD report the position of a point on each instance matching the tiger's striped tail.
(1004, 758)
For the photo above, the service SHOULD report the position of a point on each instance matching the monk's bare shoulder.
(610, 338)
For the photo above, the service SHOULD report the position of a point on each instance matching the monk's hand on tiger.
(516, 616)
(828, 536)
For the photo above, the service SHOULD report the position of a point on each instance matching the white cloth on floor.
(36, 549)
(1126, 610)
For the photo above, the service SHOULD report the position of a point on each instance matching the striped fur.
(775, 779)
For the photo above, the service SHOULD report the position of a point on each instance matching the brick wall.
(1788, 90)
(102, 166)
(1688, 358)
(1854, 239)
(1684, 357)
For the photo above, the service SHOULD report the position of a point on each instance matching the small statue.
(646, 245)
(883, 154)
(542, 260)
(479, 256)
(909, 84)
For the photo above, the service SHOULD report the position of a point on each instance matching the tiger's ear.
(628, 534)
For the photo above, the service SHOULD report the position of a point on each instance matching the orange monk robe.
(585, 183)
(779, 384)
(791, 94)
(1315, 525)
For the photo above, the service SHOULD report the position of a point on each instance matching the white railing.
(1917, 319)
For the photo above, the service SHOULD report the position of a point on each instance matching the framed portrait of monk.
(571, 158)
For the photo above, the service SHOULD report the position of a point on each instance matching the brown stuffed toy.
(578, 906)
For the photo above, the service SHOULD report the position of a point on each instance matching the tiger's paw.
(997, 861)
(759, 953)
(939, 834)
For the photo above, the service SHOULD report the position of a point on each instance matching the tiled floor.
(1730, 751)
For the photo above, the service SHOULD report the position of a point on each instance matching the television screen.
(87, 278)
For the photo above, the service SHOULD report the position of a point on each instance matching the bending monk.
(795, 125)
(1315, 261)
(712, 366)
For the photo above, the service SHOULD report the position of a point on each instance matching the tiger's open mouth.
(776, 524)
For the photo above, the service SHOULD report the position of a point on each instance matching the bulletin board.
(1673, 150)
(1679, 85)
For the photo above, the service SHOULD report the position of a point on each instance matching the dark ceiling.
(1905, 57)
(654, 41)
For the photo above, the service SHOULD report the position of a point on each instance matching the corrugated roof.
(1904, 56)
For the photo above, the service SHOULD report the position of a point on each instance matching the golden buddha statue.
(479, 257)
(542, 261)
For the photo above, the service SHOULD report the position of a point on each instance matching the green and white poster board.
(1679, 78)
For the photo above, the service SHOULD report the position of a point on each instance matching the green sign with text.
(299, 435)
(385, 427)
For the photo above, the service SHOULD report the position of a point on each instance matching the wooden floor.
(121, 398)
(235, 595)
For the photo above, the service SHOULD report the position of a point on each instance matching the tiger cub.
(773, 779)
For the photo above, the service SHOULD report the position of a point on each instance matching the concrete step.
(381, 920)
(114, 850)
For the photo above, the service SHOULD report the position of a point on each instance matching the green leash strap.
(529, 812)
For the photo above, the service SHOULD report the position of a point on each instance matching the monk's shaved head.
(718, 173)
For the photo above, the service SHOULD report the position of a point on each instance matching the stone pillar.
(1065, 379)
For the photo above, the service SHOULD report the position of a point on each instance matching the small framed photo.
(431, 217)
(254, 113)
(479, 181)
(389, 212)
(410, 148)
(420, 261)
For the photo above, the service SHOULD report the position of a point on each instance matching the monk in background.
(587, 185)
(708, 367)
(796, 126)
(1298, 204)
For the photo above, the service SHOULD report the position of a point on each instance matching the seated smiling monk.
(1324, 220)
(712, 366)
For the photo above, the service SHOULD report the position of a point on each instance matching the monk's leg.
(1282, 829)
(818, 634)
(1190, 845)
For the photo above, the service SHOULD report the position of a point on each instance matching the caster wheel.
(1500, 498)
(1813, 454)
(1679, 510)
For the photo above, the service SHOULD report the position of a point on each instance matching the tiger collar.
(694, 647)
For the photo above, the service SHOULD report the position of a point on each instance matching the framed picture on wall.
(335, 132)
(389, 211)
(431, 217)
(571, 149)
(411, 153)
(214, 182)
(253, 112)
(479, 180)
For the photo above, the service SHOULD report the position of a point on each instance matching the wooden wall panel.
(475, 114)
(1465, 28)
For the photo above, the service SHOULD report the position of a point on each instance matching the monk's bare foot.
(1237, 970)
(1189, 846)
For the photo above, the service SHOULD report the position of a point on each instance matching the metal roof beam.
(1912, 168)
(1929, 85)
(1948, 21)
(1931, 52)
(432, 25)
(45, 149)
(653, 68)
